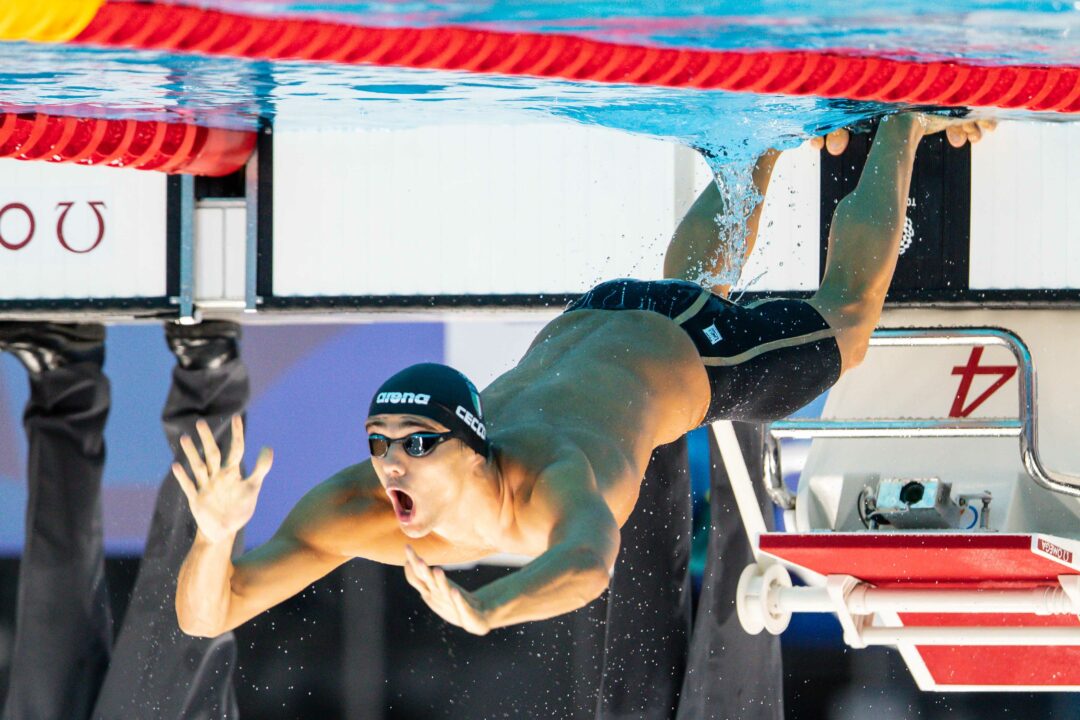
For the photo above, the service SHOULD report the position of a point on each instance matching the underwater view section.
(211, 89)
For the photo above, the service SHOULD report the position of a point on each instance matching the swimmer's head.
(426, 434)
(437, 392)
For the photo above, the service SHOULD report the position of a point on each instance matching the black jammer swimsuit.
(764, 360)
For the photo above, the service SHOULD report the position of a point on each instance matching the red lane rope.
(143, 145)
(823, 74)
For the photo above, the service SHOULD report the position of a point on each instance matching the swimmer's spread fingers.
(420, 569)
(221, 500)
(186, 484)
(262, 467)
(410, 572)
(210, 447)
(448, 600)
(198, 467)
(236, 449)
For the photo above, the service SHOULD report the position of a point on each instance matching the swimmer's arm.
(576, 568)
(344, 517)
(697, 247)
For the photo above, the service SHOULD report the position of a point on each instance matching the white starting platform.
(926, 517)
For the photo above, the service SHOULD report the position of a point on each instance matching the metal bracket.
(839, 587)
(187, 250)
(1070, 584)
(251, 253)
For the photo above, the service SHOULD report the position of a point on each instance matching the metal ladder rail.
(1025, 426)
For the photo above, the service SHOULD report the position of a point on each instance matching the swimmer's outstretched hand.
(221, 499)
(449, 601)
(957, 130)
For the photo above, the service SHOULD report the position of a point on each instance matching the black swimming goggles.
(416, 444)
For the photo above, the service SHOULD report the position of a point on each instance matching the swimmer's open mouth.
(403, 504)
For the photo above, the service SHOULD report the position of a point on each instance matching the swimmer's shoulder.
(542, 454)
(352, 488)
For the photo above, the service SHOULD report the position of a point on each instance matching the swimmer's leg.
(63, 624)
(699, 248)
(864, 242)
(157, 670)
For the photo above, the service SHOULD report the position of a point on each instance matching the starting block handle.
(1024, 427)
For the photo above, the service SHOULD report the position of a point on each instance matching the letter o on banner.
(29, 233)
(96, 206)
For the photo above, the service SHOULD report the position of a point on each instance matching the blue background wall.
(310, 388)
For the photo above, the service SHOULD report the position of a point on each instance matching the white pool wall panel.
(130, 260)
(498, 210)
(1025, 207)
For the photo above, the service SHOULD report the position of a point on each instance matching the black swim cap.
(440, 393)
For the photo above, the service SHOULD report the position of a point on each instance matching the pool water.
(1003, 30)
(234, 93)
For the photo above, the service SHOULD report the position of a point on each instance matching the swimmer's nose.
(392, 462)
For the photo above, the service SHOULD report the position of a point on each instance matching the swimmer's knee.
(853, 323)
(853, 346)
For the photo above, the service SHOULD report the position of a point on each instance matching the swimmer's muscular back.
(612, 385)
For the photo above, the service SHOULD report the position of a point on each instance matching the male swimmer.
(548, 462)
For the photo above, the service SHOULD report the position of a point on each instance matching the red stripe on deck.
(919, 560)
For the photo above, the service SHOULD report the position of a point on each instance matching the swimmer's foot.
(44, 346)
(204, 346)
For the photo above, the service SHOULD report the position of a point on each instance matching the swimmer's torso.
(613, 384)
(634, 364)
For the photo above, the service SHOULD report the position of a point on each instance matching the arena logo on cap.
(397, 398)
(472, 422)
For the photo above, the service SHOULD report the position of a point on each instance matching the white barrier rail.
(864, 600)
(981, 636)
(766, 600)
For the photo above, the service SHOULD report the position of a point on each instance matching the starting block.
(930, 534)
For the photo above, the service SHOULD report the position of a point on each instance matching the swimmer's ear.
(477, 458)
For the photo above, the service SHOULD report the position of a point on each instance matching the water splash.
(734, 180)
